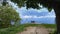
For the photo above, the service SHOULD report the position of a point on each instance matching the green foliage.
(34, 3)
(14, 29)
(4, 3)
(49, 4)
(8, 14)
(49, 9)
(20, 3)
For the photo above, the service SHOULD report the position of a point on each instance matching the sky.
(40, 16)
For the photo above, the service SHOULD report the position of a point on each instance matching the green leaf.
(7, 14)
(49, 9)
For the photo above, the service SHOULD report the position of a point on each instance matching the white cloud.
(23, 9)
(26, 16)
(52, 16)
(49, 15)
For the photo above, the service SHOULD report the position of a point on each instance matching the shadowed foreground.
(35, 30)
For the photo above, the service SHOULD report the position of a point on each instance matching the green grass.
(14, 30)
(43, 25)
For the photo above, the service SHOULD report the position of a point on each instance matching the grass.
(14, 30)
(43, 25)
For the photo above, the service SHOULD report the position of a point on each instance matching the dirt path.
(35, 30)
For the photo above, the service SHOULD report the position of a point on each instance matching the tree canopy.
(49, 4)
(8, 14)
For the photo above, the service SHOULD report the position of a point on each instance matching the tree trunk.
(57, 12)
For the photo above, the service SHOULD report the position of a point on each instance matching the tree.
(8, 14)
(49, 4)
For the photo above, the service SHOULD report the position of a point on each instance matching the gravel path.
(35, 30)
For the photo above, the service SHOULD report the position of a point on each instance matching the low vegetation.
(20, 28)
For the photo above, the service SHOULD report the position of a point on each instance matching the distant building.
(33, 22)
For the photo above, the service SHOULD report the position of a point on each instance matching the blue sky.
(41, 15)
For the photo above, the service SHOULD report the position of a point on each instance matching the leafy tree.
(8, 14)
(49, 4)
